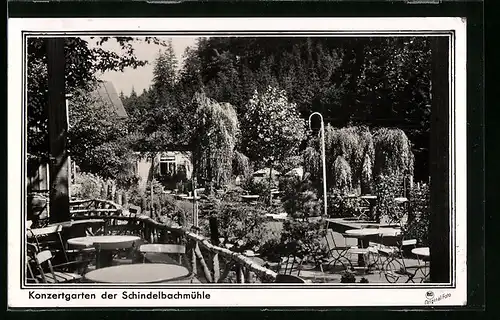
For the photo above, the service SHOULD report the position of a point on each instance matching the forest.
(363, 82)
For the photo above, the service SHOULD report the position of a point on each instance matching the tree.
(98, 139)
(215, 137)
(84, 58)
(272, 127)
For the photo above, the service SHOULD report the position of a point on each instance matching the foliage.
(97, 139)
(342, 174)
(240, 224)
(393, 152)
(419, 214)
(83, 59)
(86, 186)
(376, 81)
(348, 277)
(387, 188)
(256, 186)
(298, 197)
(241, 164)
(272, 129)
(363, 280)
(341, 206)
(215, 137)
(304, 239)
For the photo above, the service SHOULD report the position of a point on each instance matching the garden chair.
(158, 253)
(48, 238)
(338, 251)
(49, 273)
(398, 266)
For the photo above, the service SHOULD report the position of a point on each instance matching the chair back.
(288, 278)
(178, 249)
(41, 258)
(290, 263)
(134, 210)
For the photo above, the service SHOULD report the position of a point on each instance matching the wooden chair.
(50, 274)
(48, 238)
(158, 253)
(288, 278)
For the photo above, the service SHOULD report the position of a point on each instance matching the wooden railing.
(92, 207)
(211, 263)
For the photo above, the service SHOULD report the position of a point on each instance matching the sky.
(142, 77)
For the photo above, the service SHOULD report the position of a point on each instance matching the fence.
(212, 263)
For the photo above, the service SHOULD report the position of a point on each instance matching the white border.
(307, 296)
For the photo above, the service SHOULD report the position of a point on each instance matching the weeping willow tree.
(393, 154)
(215, 137)
(241, 164)
(342, 175)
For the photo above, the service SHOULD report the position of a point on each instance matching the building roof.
(107, 93)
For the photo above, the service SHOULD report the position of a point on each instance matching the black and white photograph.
(209, 162)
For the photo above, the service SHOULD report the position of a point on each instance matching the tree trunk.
(58, 130)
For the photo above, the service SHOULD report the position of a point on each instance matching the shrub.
(239, 224)
(341, 206)
(304, 239)
(387, 188)
(299, 199)
(348, 277)
(419, 214)
(86, 186)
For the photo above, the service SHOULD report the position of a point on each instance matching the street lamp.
(322, 156)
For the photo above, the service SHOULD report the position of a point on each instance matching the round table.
(138, 273)
(422, 252)
(106, 246)
(389, 232)
(362, 235)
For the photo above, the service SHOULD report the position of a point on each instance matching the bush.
(259, 187)
(341, 206)
(299, 199)
(419, 214)
(304, 239)
(387, 188)
(364, 280)
(86, 186)
(240, 224)
(348, 277)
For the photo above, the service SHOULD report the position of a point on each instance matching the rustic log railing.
(214, 264)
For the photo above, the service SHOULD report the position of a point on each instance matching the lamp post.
(323, 157)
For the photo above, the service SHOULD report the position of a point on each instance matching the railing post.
(216, 267)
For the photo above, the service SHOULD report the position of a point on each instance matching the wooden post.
(439, 225)
(214, 231)
(195, 204)
(58, 131)
(216, 267)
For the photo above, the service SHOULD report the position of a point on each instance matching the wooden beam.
(58, 129)
(439, 228)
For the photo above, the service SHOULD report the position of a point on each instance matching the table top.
(138, 273)
(389, 231)
(106, 242)
(363, 232)
(401, 199)
(368, 197)
(424, 251)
